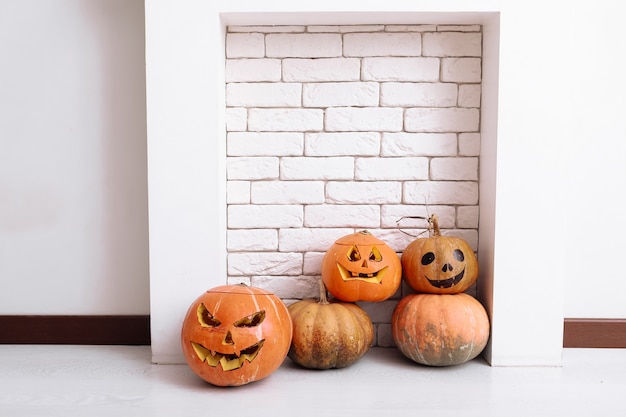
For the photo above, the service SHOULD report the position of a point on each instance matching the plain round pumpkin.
(440, 329)
(328, 334)
(439, 264)
(361, 267)
(235, 334)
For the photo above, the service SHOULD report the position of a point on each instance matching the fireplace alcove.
(186, 168)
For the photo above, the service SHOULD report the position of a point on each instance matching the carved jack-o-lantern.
(439, 264)
(360, 267)
(235, 334)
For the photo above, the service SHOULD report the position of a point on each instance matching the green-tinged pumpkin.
(234, 334)
(361, 267)
(440, 329)
(328, 334)
(439, 264)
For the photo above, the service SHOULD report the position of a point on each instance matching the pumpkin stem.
(433, 226)
(323, 299)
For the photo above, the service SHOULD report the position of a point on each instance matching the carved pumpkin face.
(439, 264)
(234, 334)
(360, 267)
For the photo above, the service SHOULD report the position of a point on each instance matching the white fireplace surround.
(186, 165)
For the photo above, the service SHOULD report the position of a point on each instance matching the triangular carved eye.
(354, 254)
(375, 255)
(252, 320)
(205, 317)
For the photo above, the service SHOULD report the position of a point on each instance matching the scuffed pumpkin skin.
(440, 329)
(254, 350)
(329, 335)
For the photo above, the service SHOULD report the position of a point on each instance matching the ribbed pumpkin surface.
(329, 335)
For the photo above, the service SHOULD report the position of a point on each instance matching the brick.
(400, 169)
(328, 215)
(264, 263)
(382, 44)
(250, 216)
(458, 28)
(401, 69)
(289, 287)
(324, 69)
(342, 143)
(285, 120)
(418, 94)
(245, 45)
(307, 239)
(347, 28)
(251, 168)
(385, 119)
(331, 94)
(252, 240)
(467, 217)
(399, 215)
(441, 192)
(264, 94)
(238, 192)
(447, 44)
(419, 144)
(305, 168)
(313, 260)
(236, 119)
(469, 144)
(460, 168)
(410, 28)
(384, 335)
(287, 192)
(268, 29)
(380, 312)
(252, 70)
(469, 95)
(429, 119)
(303, 45)
(363, 192)
(264, 143)
(461, 70)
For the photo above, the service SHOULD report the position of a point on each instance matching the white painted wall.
(73, 213)
(73, 193)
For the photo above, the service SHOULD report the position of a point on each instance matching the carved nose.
(364, 265)
(446, 267)
(228, 339)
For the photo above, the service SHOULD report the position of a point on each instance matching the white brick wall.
(335, 129)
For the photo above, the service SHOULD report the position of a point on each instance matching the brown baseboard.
(75, 330)
(135, 330)
(594, 333)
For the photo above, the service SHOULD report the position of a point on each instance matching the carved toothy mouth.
(447, 283)
(372, 277)
(228, 361)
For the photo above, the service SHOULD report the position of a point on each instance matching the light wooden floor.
(91, 381)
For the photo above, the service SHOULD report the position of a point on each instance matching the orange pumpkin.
(440, 329)
(439, 264)
(234, 334)
(361, 267)
(328, 334)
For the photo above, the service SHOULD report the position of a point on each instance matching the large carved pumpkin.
(234, 334)
(440, 329)
(361, 267)
(329, 334)
(439, 264)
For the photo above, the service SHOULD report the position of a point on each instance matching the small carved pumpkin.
(360, 267)
(328, 334)
(234, 334)
(440, 329)
(439, 264)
